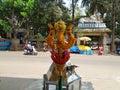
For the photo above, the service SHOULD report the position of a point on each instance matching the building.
(95, 29)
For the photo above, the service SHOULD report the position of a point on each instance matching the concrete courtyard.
(102, 71)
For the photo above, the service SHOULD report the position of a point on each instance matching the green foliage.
(24, 14)
(108, 21)
(19, 3)
(95, 6)
(30, 5)
(39, 36)
(78, 32)
(5, 25)
(108, 18)
(31, 13)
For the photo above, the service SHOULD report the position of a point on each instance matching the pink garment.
(100, 51)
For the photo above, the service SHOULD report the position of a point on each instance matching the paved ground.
(102, 71)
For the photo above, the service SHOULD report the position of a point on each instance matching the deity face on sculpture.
(56, 37)
(60, 25)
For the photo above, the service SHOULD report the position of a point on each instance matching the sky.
(69, 1)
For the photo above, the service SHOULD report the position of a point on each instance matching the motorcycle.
(30, 51)
(45, 48)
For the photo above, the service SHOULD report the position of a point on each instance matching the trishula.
(60, 53)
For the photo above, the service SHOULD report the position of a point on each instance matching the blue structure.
(4, 44)
(75, 49)
(89, 52)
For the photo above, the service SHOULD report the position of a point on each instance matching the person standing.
(100, 50)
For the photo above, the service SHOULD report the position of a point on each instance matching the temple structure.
(94, 28)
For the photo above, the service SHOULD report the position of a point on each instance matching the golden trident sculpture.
(60, 53)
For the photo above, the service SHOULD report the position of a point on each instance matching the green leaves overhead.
(5, 25)
(30, 5)
(24, 14)
(95, 6)
(31, 13)
(19, 3)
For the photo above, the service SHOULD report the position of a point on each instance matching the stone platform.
(11, 83)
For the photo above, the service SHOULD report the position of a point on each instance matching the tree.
(11, 12)
(73, 5)
(95, 6)
(114, 4)
(45, 11)
(11, 15)
(27, 14)
(4, 10)
(114, 13)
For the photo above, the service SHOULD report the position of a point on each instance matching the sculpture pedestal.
(73, 81)
(73, 85)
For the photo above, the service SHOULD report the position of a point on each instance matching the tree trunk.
(113, 27)
(15, 44)
(73, 10)
(14, 40)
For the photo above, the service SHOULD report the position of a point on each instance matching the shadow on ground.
(10, 83)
